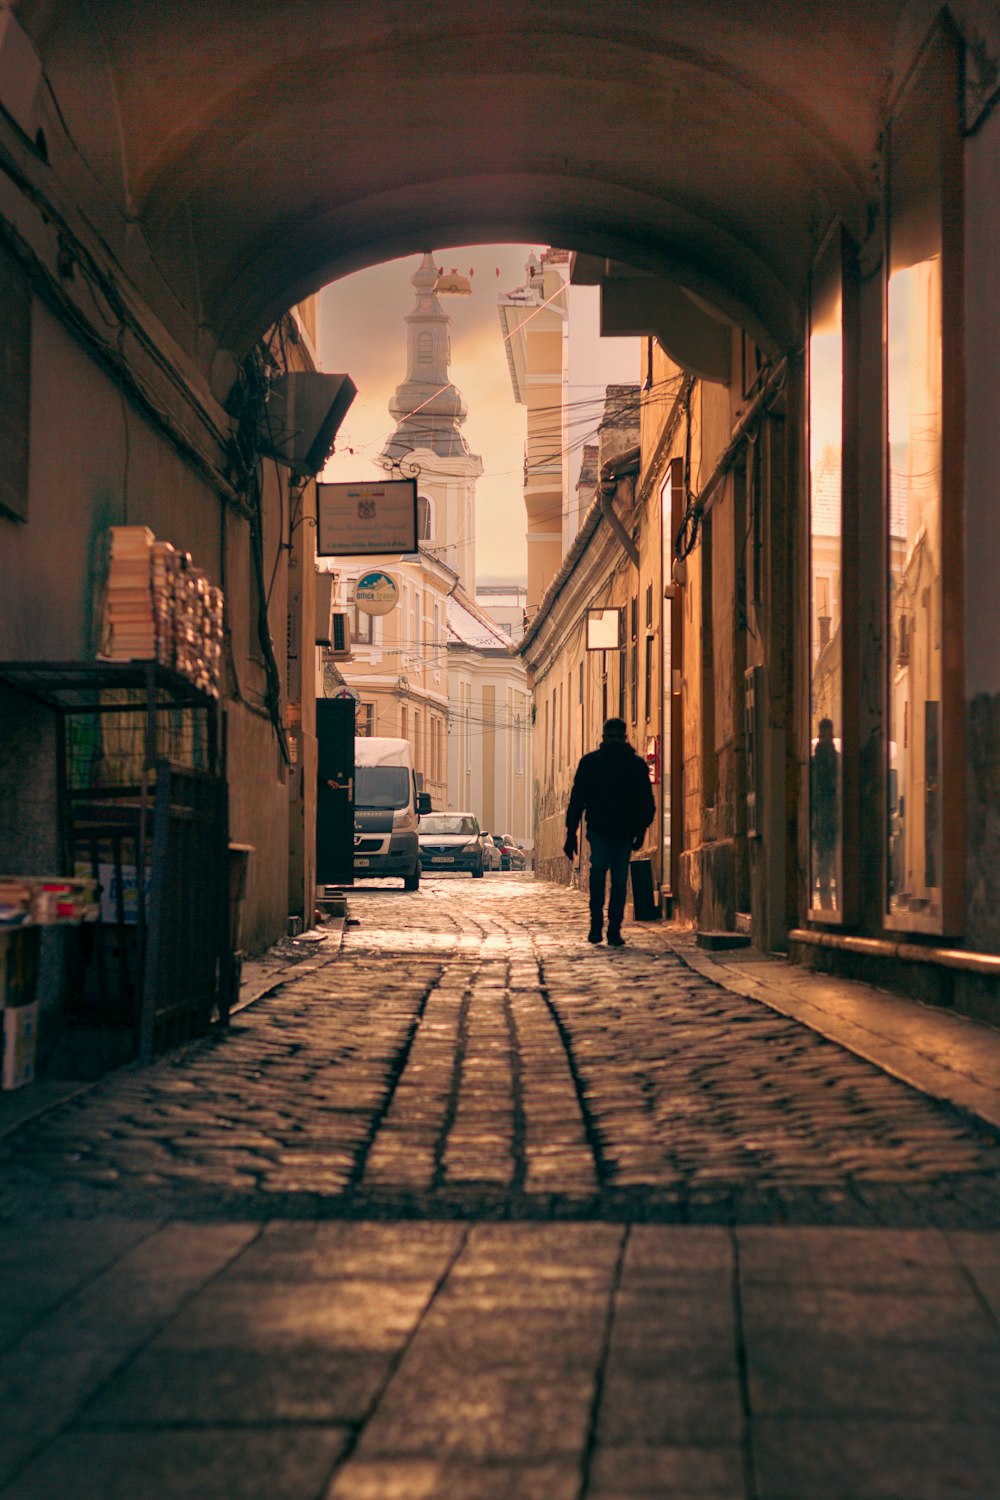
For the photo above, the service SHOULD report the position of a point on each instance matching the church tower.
(429, 412)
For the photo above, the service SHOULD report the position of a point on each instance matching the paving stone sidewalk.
(471, 1209)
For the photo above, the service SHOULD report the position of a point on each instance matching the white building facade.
(437, 670)
(489, 747)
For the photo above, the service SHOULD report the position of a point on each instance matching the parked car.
(452, 841)
(493, 857)
(511, 854)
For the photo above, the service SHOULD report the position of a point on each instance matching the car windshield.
(381, 787)
(448, 823)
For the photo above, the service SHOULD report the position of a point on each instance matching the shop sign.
(376, 593)
(369, 519)
(604, 629)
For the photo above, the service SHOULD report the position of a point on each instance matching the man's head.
(826, 730)
(615, 732)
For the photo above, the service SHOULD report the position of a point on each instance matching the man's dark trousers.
(608, 851)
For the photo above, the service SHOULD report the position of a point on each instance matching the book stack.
(187, 617)
(213, 627)
(47, 900)
(28, 902)
(15, 901)
(165, 565)
(129, 630)
(159, 606)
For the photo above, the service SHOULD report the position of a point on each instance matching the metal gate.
(187, 948)
(335, 795)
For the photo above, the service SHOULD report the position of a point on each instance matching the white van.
(387, 809)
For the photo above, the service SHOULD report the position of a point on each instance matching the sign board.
(368, 519)
(376, 593)
(604, 629)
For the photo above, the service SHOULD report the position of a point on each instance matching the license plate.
(442, 859)
(361, 864)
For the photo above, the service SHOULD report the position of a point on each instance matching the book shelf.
(142, 810)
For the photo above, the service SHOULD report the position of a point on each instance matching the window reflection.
(915, 423)
(826, 401)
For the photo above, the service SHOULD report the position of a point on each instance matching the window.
(404, 722)
(826, 425)
(560, 701)
(423, 519)
(649, 607)
(633, 684)
(381, 788)
(362, 627)
(552, 742)
(449, 823)
(649, 677)
(364, 715)
(926, 706)
(622, 685)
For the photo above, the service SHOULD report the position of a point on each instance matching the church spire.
(428, 410)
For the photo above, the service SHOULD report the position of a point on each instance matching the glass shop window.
(826, 419)
(924, 262)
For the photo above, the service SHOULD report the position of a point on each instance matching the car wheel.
(478, 874)
(412, 882)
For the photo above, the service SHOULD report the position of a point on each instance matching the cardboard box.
(18, 1006)
(18, 965)
(19, 1043)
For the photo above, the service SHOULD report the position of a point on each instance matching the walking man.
(612, 787)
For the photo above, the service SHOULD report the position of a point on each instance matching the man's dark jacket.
(612, 786)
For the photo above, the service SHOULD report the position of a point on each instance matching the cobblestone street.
(465, 1207)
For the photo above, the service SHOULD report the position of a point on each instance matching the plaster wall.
(95, 463)
(258, 815)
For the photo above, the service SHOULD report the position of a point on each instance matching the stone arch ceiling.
(269, 147)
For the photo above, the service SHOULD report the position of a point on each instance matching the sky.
(362, 334)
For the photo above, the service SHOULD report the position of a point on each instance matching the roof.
(826, 495)
(469, 626)
(588, 467)
(382, 751)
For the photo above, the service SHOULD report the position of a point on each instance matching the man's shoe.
(594, 935)
(615, 940)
